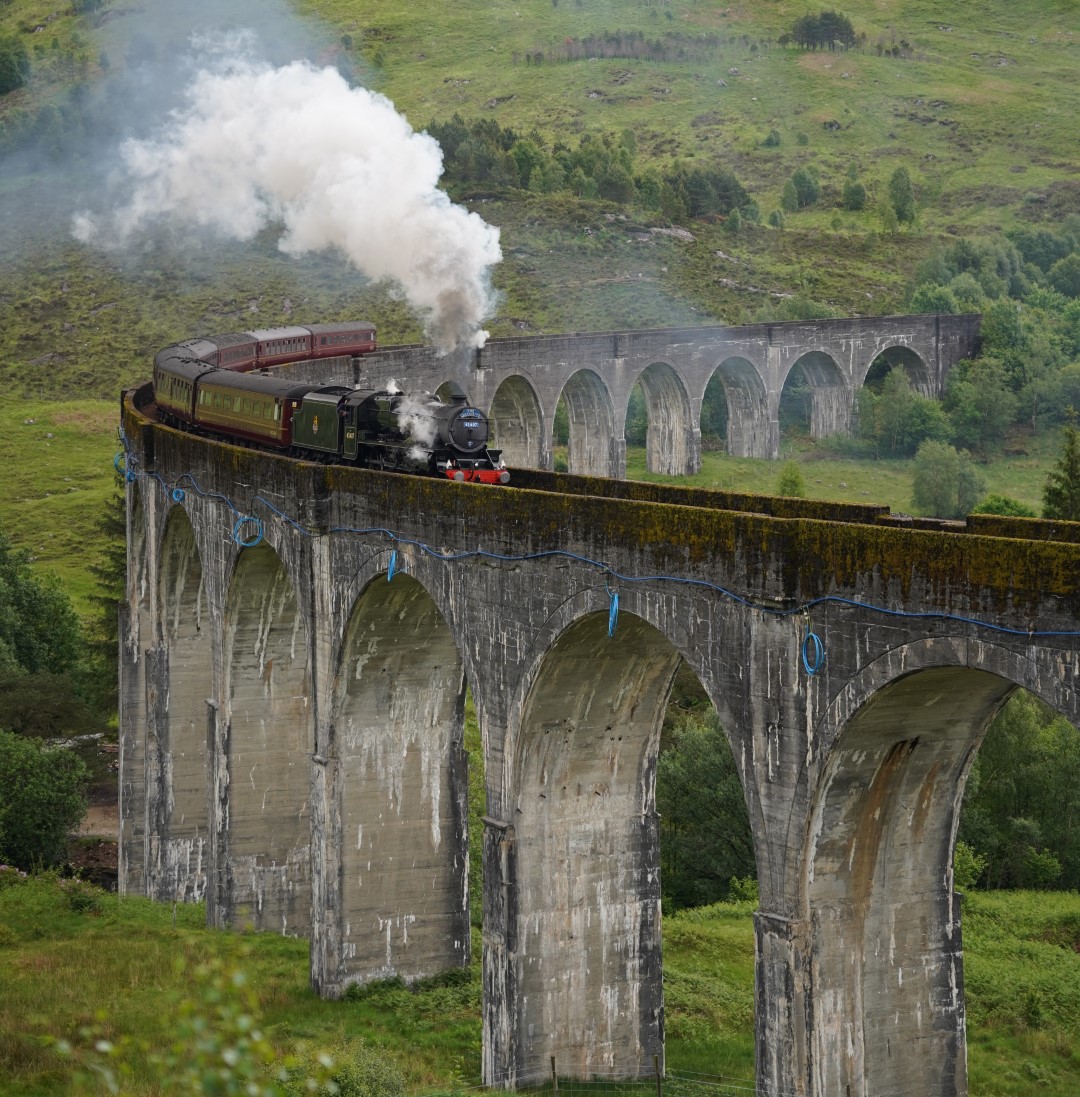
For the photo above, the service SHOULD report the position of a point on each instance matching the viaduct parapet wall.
(293, 697)
(519, 382)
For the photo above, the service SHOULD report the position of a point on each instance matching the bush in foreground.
(42, 799)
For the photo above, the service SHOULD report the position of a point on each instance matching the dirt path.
(101, 820)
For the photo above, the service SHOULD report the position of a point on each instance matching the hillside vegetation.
(977, 110)
(151, 975)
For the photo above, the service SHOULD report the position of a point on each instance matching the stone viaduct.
(518, 382)
(297, 642)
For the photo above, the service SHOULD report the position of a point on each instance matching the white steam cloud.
(336, 166)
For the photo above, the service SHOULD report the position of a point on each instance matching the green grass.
(886, 482)
(125, 964)
(57, 461)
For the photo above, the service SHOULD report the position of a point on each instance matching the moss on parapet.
(802, 551)
(776, 506)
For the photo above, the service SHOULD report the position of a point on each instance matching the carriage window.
(277, 411)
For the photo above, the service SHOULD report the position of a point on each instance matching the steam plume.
(336, 166)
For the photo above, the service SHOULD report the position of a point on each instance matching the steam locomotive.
(210, 386)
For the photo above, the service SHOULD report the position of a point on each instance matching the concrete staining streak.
(382, 753)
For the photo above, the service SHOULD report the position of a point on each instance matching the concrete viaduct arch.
(333, 665)
(518, 382)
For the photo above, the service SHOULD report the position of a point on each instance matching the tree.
(789, 200)
(42, 799)
(897, 418)
(934, 298)
(807, 187)
(1065, 275)
(855, 196)
(1021, 812)
(705, 829)
(790, 482)
(1061, 495)
(980, 404)
(14, 63)
(39, 631)
(902, 196)
(945, 483)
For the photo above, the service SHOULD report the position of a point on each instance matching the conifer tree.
(1061, 496)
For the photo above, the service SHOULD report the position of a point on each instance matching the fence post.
(554, 1077)
(656, 1071)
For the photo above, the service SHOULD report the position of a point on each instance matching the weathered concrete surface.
(853, 776)
(519, 382)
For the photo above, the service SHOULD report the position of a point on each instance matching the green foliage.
(981, 405)
(219, 1049)
(773, 140)
(42, 799)
(39, 632)
(705, 831)
(346, 1070)
(789, 199)
(44, 705)
(945, 484)
(896, 419)
(855, 196)
(902, 196)
(933, 298)
(826, 30)
(1021, 812)
(807, 187)
(714, 414)
(968, 866)
(790, 482)
(1065, 275)
(14, 63)
(995, 503)
(637, 417)
(1061, 496)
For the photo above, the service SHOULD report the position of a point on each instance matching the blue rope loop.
(247, 540)
(813, 653)
(124, 462)
(392, 567)
(178, 495)
(613, 613)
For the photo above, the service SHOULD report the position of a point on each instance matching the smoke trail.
(336, 166)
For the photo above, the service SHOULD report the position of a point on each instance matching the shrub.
(790, 481)
(968, 866)
(350, 1069)
(1005, 505)
(946, 484)
(42, 799)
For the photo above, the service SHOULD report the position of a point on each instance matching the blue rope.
(613, 613)
(813, 651)
(251, 539)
